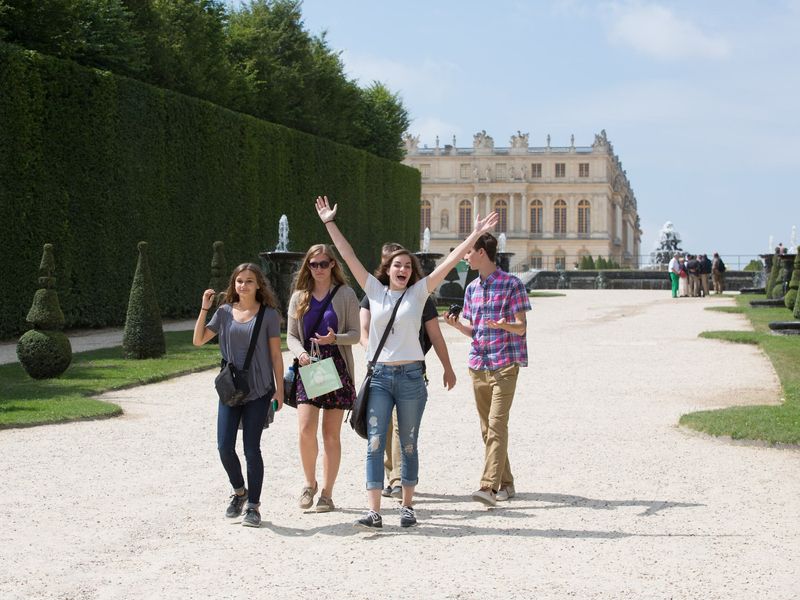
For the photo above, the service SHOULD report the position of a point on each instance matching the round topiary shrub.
(144, 335)
(794, 284)
(44, 354)
(45, 351)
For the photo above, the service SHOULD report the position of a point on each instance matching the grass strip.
(25, 402)
(778, 424)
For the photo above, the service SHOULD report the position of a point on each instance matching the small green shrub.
(144, 335)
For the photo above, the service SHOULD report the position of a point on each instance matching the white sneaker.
(506, 493)
(485, 496)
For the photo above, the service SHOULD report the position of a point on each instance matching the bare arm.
(203, 334)
(518, 326)
(481, 227)
(453, 321)
(364, 318)
(328, 216)
(440, 347)
(277, 368)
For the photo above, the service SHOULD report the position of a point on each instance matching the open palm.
(324, 210)
(486, 224)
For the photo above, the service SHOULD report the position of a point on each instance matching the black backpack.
(721, 266)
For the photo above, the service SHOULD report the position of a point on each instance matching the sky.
(700, 100)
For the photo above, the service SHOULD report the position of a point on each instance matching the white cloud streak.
(657, 32)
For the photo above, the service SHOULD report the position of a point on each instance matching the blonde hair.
(304, 281)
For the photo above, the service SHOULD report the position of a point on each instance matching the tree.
(383, 121)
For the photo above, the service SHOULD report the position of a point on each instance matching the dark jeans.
(252, 415)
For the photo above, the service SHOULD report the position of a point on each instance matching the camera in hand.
(454, 311)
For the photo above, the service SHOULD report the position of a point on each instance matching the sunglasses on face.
(323, 264)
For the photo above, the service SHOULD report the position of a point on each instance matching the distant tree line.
(256, 59)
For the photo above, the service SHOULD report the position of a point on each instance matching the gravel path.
(613, 499)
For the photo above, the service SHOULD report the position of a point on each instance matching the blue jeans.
(400, 386)
(252, 415)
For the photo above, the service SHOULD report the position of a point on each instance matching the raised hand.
(208, 298)
(487, 223)
(324, 210)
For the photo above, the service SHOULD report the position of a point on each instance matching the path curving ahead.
(613, 499)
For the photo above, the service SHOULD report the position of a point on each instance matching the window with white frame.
(583, 169)
(560, 217)
(561, 169)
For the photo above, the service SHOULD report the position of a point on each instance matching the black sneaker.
(407, 516)
(237, 503)
(371, 520)
(252, 518)
(387, 492)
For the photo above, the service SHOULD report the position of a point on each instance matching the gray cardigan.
(345, 305)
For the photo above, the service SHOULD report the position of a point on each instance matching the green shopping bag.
(320, 377)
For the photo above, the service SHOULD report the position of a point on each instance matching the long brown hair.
(304, 281)
(382, 272)
(264, 293)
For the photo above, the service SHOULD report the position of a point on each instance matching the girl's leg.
(411, 399)
(227, 425)
(254, 415)
(379, 413)
(307, 422)
(331, 429)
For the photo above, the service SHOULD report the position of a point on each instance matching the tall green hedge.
(93, 163)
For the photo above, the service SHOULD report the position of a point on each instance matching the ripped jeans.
(402, 386)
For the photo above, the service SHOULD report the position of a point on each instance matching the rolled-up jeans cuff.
(374, 485)
(405, 482)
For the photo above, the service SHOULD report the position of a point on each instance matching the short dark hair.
(489, 244)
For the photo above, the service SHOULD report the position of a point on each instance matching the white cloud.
(656, 31)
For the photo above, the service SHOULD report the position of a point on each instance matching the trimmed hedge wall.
(93, 162)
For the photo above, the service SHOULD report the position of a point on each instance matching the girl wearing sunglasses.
(311, 303)
(397, 381)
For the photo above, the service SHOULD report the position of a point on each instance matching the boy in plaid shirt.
(495, 304)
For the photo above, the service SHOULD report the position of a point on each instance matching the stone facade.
(556, 203)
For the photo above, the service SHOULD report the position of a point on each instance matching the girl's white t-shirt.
(402, 344)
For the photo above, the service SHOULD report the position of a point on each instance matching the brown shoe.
(324, 504)
(307, 496)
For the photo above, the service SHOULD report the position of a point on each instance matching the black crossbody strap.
(386, 332)
(254, 337)
(328, 300)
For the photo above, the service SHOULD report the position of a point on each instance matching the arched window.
(425, 215)
(536, 259)
(464, 217)
(584, 217)
(501, 206)
(560, 217)
(536, 218)
(561, 259)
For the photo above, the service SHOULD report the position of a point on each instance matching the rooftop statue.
(482, 140)
(411, 142)
(520, 140)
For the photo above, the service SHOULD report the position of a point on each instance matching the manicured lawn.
(772, 424)
(25, 401)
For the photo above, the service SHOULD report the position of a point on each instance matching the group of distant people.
(690, 275)
(324, 322)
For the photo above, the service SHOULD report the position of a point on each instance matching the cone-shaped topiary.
(794, 284)
(773, 275)
(144, 336)
(219, 279)
(45, 351)
(796, 311)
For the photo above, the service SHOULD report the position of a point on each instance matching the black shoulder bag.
(358, 416)
(231, 383)
(290, 379)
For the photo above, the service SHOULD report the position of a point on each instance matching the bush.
(754, 265)
(45, 351)
(144, 335)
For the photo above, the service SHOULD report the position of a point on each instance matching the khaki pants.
(704, 284)
(393, 460)
(719, 283)
(494, 393)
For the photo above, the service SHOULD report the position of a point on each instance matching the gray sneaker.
(237, 503)
(485, 496)
(407, 516)
(371, 520)
(506, 492)
(252, 518)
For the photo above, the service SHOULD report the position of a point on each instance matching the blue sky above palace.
(698, 98)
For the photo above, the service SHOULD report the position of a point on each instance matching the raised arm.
(203, 334)
(440, 272)
(328, 216)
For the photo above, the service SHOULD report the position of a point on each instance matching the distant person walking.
(247, 295)
(718, 274)
(704, 269)
(495, 304)
(675, 274)
(693, 269)
(323, 308)
(683, 287)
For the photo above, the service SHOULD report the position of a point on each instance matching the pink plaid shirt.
(499, 295)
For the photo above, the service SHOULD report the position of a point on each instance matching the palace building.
(556, 204)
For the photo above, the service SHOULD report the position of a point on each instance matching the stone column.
(511, 212)
(526, 213)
